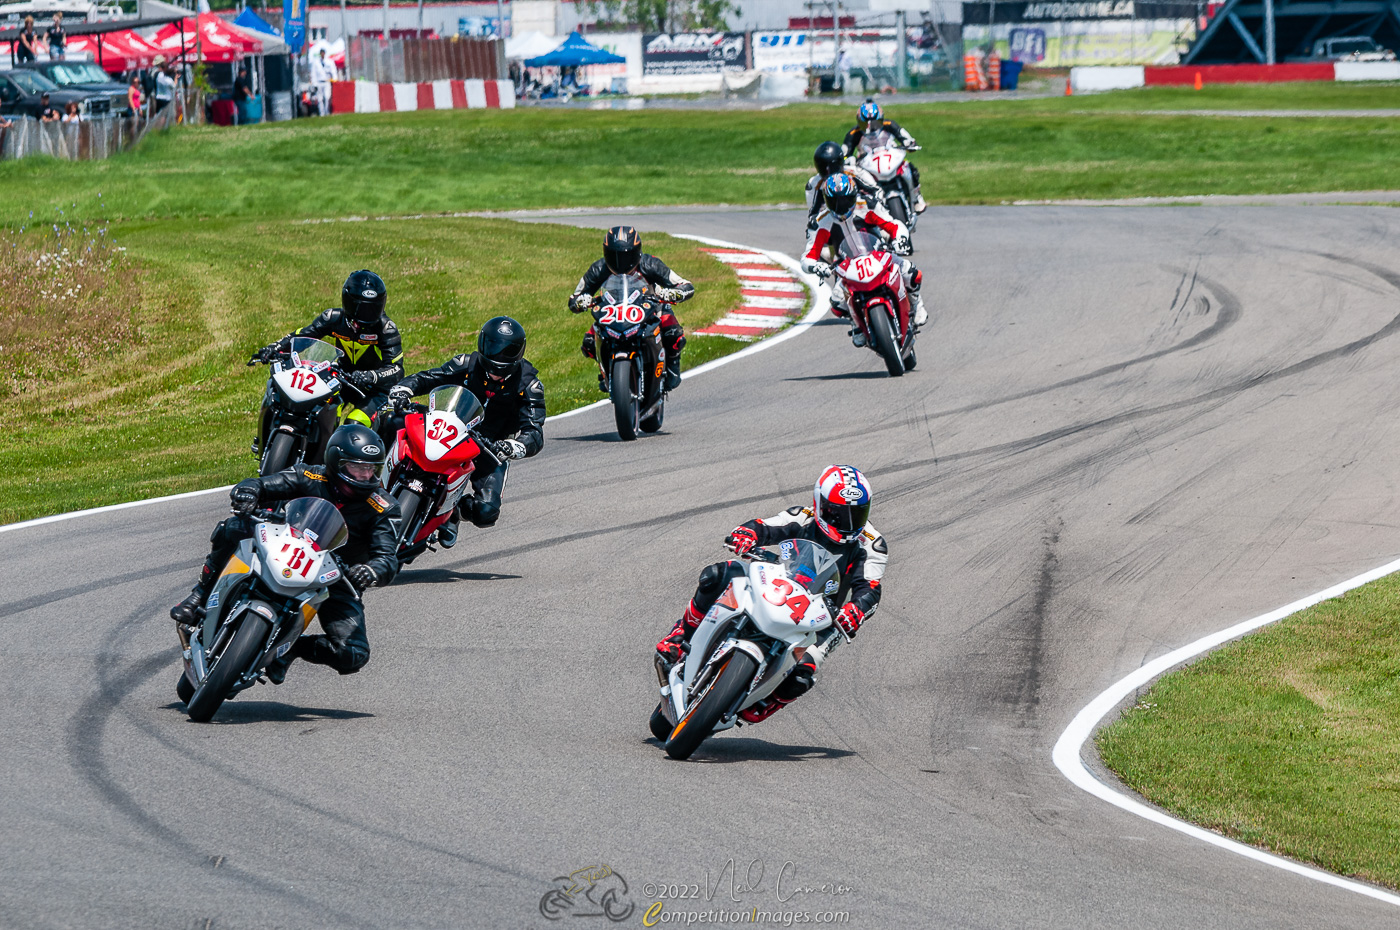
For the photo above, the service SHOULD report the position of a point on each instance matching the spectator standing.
(57, 38)
(133, 94)
(843, 67)
(165, 82)
(322, 73)
(47, 113)
(28, 42)
(242, 93)
(70, 112)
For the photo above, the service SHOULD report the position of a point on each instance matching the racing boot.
(673, 645)
(187, 611)
(919, 205)
(762, 710)
(673, 370)
(447, 533)
(276, 671)
(920, 313)
(798, 683)
(857, 337)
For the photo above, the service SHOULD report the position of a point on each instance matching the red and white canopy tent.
(117, 51)
(215, 39)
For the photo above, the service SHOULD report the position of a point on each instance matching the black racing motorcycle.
(300, 407)
(630, 355)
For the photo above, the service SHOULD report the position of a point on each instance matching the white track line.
(1070, 746)
(818, 309)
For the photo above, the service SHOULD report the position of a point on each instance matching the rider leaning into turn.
(622, 254)
(509, 389)
(872, 120)
(845, 210)
(837, 520)
(828, 160)
(370, 340)
(350, 481)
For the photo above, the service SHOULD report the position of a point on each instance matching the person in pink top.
(133, 94)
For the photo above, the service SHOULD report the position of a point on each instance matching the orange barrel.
(994, 71)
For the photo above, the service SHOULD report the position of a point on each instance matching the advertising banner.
(984, 12)
(1059, 45)
(791, 51)
(294, 24)
(692, 52)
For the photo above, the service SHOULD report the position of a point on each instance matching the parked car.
(21, 90)
(1350, 48)
(85, 76)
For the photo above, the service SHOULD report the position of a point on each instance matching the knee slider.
(483, 514)
(713, 578)
(352, 659)
(917, 280)
(673, 337)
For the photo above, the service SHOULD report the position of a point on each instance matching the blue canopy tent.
(576, 50)
(250, 20)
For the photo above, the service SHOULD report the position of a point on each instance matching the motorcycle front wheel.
(624, 399)
(898, 210)
(710, 706)
(279, 454)
(882, 332)
(408, 509)
(242, 649)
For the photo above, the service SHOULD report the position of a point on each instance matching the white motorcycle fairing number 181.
(763, 624)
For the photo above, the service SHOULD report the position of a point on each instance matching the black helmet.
(828, 159)
(622, 249)
(362, 297)
(502, 346)
(353, 456)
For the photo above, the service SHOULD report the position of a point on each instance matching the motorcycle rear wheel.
(897, 210)
(245, 645)
(660, 726)
(882, 332)
(624, 401)
(653, 423)
(279, 454)
(183, 689)
(710, 706)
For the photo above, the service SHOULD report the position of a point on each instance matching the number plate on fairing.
(301, 384)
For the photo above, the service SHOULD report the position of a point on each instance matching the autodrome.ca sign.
(692, 52)
(981, 13)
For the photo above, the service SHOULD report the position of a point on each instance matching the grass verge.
(170, 406)
(1107, 145)
(1288, 739)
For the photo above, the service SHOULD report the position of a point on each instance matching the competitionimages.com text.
(658, 914)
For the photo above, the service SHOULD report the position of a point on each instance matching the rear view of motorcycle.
(430, 464)
(763, 624)
(882, 156)
(304, 389)
(264, 599)
(627, 325)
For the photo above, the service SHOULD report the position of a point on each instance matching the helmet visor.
(358, 471)
(847, 519)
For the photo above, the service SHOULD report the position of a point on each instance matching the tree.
(666, 15)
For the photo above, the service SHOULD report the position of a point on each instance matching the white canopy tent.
(529, 45)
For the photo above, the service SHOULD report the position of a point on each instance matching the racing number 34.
(796, 604)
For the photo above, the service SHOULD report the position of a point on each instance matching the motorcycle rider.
(349, 480)
(872, 120)
(371, 343)
(509, 389)
(845, 210)
(837, 519)
(828, 160)
(622, 254)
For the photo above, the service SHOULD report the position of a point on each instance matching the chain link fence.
(83, 140)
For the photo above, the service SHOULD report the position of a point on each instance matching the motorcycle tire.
(624, 400)
(653, 423)
(279, 454)
(408, 509)
(882, 333)
(660, 726)
(910, 361)
(242, 649)
(710, 706)
(183, 689)
(898, 210)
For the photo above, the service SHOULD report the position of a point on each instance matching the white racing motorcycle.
(882, 155)
(264, 599)
(759, 629)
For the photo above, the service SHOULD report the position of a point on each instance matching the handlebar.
(757, 554)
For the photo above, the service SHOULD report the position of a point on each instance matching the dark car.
(21, 90)
(85, 76)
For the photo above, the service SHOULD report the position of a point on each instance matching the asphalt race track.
(1129, 427)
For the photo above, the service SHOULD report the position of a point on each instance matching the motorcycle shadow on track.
(446, 575)
(844, 376)
(602, 437)
(747, 749)
(244, 712)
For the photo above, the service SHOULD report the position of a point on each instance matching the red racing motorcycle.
(430, 465)
(878, 300)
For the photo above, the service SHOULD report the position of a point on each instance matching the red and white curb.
(368, 97)
(773, 296)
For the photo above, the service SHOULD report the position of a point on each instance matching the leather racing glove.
(740, 540)
(243, 499)
(362, 577)
(513, 448)
(849, 619)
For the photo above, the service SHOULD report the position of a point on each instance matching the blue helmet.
(870, 111)
(839, 192)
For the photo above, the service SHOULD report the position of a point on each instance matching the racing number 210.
(796, 604)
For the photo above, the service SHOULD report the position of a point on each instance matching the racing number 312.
(796, 604)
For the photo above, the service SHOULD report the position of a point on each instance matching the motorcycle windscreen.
(856, 243)
(318, 522)
(810, 565)
(315, 350)
(625, 288)
(459, 401)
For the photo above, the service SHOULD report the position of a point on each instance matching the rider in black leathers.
(348, 480)
(622, 254)
(509, 388)
(373, 349)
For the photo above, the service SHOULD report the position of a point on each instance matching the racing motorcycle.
(627, 330)
(430, 464)
(763, 624)
(303, 381)
(264, 599)
(883, 156)
(878, 301)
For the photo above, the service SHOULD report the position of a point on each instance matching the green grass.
(174, 408)
(1288, 739)
(976, 152)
